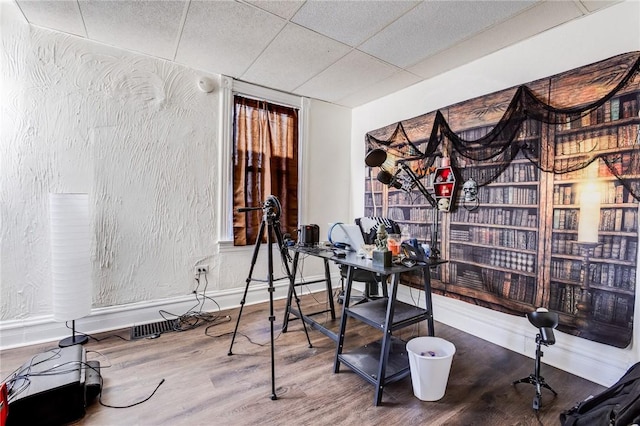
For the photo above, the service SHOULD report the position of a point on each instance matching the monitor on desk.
(346, 236)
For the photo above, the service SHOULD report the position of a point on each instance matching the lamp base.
(73, 340)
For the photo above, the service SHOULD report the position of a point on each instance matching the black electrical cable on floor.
(194, 318)
(130, 405)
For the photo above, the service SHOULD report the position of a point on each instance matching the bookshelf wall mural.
(555, 224)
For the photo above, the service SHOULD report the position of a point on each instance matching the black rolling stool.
(545, 322)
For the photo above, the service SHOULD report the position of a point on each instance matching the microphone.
(388, 179)
(405, 183)
(248, 209)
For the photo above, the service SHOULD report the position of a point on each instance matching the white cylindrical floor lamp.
(70, 260)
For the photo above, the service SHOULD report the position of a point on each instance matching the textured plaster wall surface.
(132, 131)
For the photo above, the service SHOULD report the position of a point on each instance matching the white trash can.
(430, 361)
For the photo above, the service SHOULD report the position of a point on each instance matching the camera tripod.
(271, 221)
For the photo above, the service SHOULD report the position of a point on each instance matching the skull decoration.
(470, 189)
(443, 204)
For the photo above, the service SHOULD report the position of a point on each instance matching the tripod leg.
(246, 289)
(272, 317)
(545, 385)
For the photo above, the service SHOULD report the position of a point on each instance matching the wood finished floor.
(205, 386)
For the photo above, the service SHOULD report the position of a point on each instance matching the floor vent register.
(154, 329)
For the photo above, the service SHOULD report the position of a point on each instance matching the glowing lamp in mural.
(589, 223)
(70, 260)
(589, 213)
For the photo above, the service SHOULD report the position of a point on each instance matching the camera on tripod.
(270, 226)
(271, 208)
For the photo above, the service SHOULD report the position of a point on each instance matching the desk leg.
(386, 341)
(385, 285)
(426, 276)
(343, 320)
(327, 277)
(292, 283)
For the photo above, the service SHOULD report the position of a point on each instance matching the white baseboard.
(596, 362)
(43, 329)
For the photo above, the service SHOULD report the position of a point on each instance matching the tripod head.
(271, 209)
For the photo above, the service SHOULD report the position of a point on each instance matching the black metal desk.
(381, 362)
(376, 362)
(326, 255)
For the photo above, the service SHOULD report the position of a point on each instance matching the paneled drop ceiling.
(343, 52)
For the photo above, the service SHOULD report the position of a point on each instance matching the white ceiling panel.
(526, 24)
(392, 84)
(225, 37)
(435, 26)
(593, 5)
(347, 52)
(150, 27)
(56, 15)
(284, 9)
(354, 72)
(294, 56)
(350, 22)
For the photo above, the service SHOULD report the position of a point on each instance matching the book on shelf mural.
(519, 246)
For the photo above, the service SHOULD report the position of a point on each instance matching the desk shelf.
(365, 361)
(374, 313)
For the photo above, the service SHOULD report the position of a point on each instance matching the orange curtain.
(265, 162)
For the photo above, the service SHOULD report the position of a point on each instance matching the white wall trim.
(225, 128)
(43, 329)
(516, 334)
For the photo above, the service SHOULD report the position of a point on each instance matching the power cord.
(130, 405)
(95, 338)
(195, 317)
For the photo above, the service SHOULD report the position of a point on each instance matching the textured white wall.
(137, 135)
(607, 33)
(132, 131)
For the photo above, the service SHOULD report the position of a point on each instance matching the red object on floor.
(4, 404)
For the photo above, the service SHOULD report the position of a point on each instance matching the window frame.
(229, 88)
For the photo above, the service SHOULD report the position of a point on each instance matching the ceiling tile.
(398, 81)
(225, 37)
(435, 26)
(150, 27)
(56, 15)
(593, 5)
(532, 21)
(355, 71)
(296, 55)
(350, 22)
(284, 9)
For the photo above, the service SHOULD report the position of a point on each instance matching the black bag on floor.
(618, 405)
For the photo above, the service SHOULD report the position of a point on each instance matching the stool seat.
(545, 321)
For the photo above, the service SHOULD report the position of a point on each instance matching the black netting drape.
(525, 114)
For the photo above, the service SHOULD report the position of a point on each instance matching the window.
(265, 162)
(228, 224)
